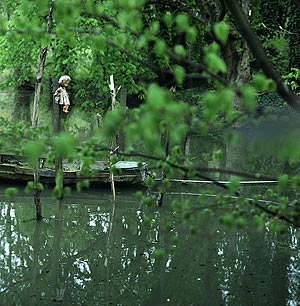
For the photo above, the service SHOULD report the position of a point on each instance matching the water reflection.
(88, 251)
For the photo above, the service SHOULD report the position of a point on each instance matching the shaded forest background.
(139, 43)
(186, 66)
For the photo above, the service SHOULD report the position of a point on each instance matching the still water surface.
(88, 251)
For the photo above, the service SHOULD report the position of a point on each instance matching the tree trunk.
(37, 98)
(239, 74)
(57, 127)
(238, 65)
(38, 87)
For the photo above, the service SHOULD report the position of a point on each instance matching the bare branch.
(197, 169)
(197, 173)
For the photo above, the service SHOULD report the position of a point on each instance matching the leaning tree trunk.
(37, 98)
(238, 64)
(238, 73)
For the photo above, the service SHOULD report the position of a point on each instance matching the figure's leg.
(65, 108)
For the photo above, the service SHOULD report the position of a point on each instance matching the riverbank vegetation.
(204, 68)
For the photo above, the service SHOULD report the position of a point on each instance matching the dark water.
(88, 251)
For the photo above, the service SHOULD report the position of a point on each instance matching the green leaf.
(149, 182)
(217, 155)
(33, 151)
(174, 239)
(193, 229)
(57, 193)
(123, 18)
(180, 50)
(226, 97)
(169, 226)
(221, 31)
(260, 82)
(283, 182)
(234, 185)
(182, 22)
(295, 182)
(154, 27)
(146, 220)
(179, 72)
(148, 201)
(29, 187)
(59, 178)
(156, 97)
(40, 186)
(64, 145)
(82, 184)
(67, 191)
(215, 63)
(131, 4)
(89, 6)
(276, 226)
(176, 206)
(100, 42)
(248, 95)
(11, 192)
(227, 219)
(166, 183)
(159, 254)
(113, 121)
(191, 35)
(3, 24)
(139, 195)
(159, 47)
(259, 222)
(216, 102)
(240, 222)
(168, 20)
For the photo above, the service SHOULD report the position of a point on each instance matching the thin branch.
(180, 60)
(217, 183)
(197, 169)
(109, 20)
(199, 71)
(236, 172)
(275, 214)
(182, 7)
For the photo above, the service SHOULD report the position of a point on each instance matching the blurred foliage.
(271, 21)
(172, 58)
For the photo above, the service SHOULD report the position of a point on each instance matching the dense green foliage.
(157, 51)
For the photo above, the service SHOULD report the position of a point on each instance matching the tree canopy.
(159, 51)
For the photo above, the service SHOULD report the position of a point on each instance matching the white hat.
(63, 79)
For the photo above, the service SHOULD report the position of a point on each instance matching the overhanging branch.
(197, 173)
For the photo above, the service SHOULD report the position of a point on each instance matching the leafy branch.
(197, 172)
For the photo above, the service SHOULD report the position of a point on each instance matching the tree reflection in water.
(88, 251)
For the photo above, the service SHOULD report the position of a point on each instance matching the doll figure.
(61, 96)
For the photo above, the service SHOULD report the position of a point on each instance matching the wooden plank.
(126, 172)
(221, 182)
